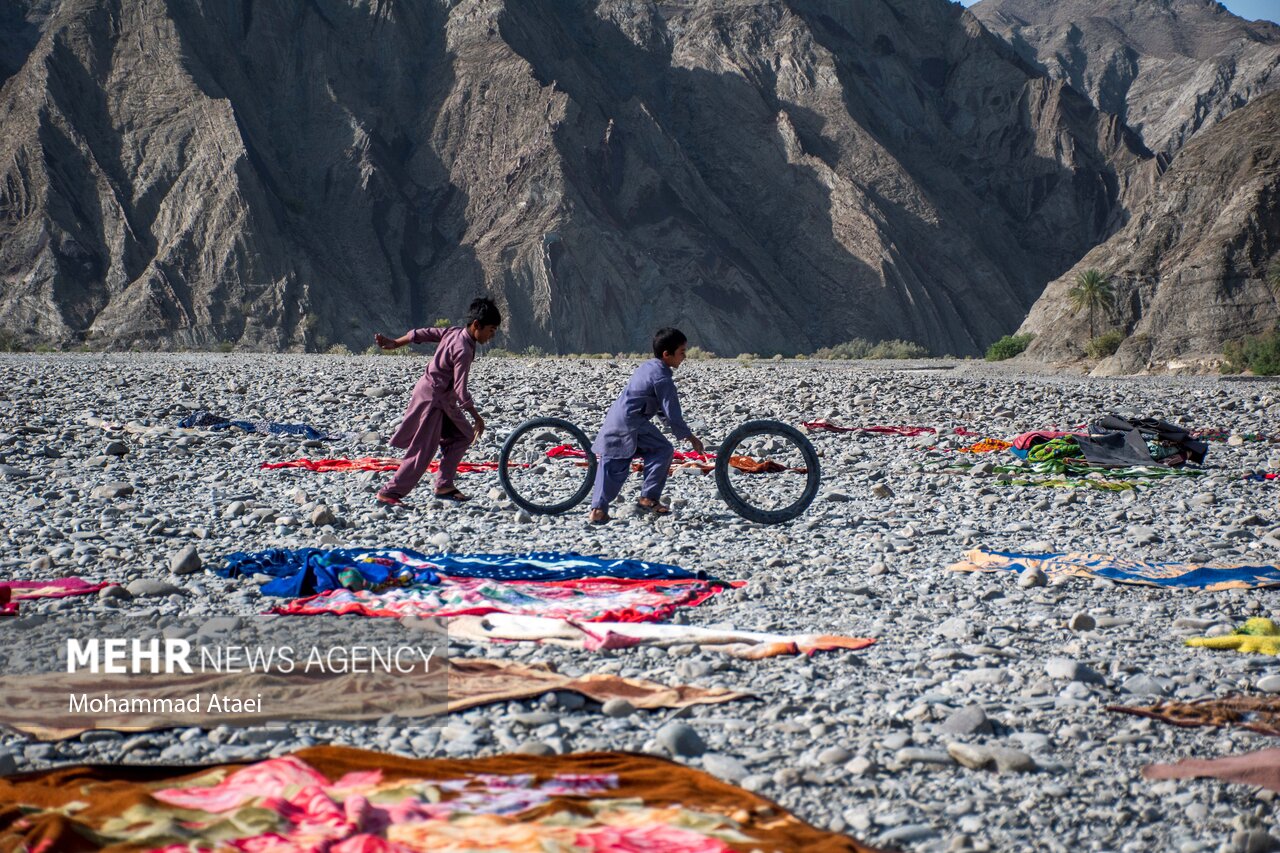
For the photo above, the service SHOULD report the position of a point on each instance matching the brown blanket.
(506, 802)
(38, 704)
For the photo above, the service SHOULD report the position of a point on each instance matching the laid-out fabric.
(592, 636)
(1209, 577)
(1257, 636)
(210, 421)
(11, 592)
(1026, 440)
(1259, 714)
(36, 704)
(344, 800)
(1123, 442)
(306, 571)
(370, 463)
(1227, 435)
(704, 462)
(581, 599)
(987, 445)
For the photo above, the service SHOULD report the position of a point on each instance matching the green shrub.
(338, 349)
(1008, 347)
(44, 348)
(443, 323)
(1105, 344)
(534, 351)
(856, 348)
(699, 354)
(225, 346)
(1259, 355)
(499, 352)
(745, 357)
(12, 342)
(898, 349)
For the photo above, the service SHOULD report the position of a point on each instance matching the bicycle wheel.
(546, 466)
(767, 472)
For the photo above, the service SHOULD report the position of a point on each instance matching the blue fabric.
(307, 571)
(215, 422)
(1213, 576)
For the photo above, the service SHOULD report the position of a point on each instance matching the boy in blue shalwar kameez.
(628, 432)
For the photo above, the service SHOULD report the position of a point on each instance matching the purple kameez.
(628, 431)
(435, 419)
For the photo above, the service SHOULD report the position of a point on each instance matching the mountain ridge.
(763, 174)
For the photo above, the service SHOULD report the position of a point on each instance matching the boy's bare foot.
(598, 516)
(452, 495)
(655, 507)
(389, 500)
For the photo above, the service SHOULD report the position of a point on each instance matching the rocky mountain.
(1191, 268)
(772, 175)
(1167, 68)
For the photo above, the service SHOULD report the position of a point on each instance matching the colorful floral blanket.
(1211, 577)
(578, 599)
(345, 800)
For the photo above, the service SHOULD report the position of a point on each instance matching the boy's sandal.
(452, 495)
(655, 507)
(598, 516)
(389, 500)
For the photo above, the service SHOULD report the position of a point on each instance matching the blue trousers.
(612, 471)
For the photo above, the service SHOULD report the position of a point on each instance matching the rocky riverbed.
(863, 742)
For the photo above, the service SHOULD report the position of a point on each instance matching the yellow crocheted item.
(1258, 636)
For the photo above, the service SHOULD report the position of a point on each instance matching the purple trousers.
(437, 431)
(612, 472)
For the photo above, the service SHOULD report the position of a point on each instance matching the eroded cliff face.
(770, 175)
(1168, 68)
(1190, 269)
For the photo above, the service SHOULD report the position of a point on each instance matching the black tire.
(766, 516)
(589, 473)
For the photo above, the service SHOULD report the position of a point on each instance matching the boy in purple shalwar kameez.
(627, 429)
(434, 419)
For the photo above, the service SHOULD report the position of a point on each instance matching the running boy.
(627, 429)
(434, 419)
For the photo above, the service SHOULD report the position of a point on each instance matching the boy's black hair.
(667, 340)
(484, 312)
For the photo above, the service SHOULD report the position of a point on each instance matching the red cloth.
(371, 463)
(1026, 439)
(11, 592)
(564, 451)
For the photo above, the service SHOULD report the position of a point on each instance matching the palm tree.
(1092, 290)
(1273, 276)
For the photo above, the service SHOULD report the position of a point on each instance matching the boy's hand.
(479, 426)
(697, 445)
(384, 342)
